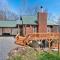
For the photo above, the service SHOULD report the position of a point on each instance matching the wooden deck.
(37, 36)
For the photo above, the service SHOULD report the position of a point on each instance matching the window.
(34, 29)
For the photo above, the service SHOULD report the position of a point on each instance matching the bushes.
(24, 53)
(14, 58)
(28, 53)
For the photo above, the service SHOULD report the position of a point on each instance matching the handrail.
(45, 35)
(40, 36)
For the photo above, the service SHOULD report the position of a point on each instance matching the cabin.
(28, 24)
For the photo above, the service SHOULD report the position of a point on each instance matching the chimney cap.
(41, 7)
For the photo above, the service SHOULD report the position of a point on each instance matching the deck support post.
(58, 47)
(49, 45)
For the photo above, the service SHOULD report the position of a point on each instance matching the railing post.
(49, 45)
(58, 47)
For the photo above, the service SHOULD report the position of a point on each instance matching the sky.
(23, 7)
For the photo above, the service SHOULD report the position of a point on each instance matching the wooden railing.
(42, 36)
(36, 36)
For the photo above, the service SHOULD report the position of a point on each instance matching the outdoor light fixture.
(22, 25)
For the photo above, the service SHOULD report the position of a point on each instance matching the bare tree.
(59, 25)
(28, 10)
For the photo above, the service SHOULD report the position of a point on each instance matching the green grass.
(40, 56)
(48, 56)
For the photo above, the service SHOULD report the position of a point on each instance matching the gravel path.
(6, 44)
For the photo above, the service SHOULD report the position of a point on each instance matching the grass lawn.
(48, 56)
(39, 56)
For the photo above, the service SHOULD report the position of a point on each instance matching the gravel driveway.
(6, 44)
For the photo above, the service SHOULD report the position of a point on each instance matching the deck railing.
(37, 36)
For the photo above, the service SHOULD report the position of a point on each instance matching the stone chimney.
(42, 21)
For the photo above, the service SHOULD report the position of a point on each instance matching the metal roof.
(26, 20)
(51, 22)
(29, 19)
(32, 19)
(7, 23)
